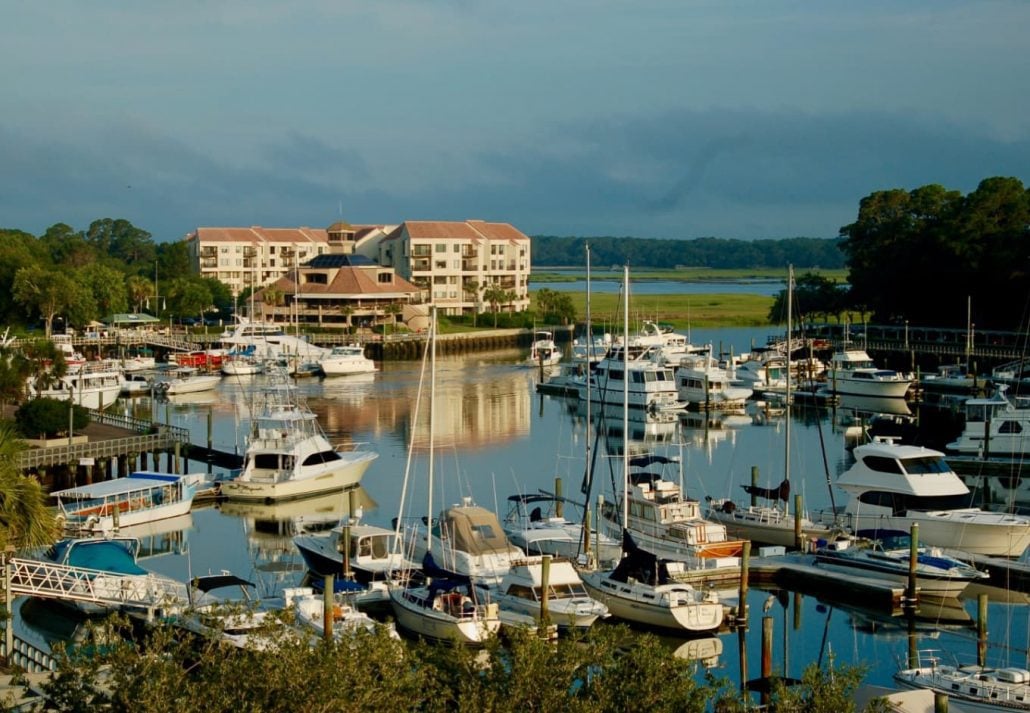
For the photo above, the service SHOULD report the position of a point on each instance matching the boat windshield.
(927, 464)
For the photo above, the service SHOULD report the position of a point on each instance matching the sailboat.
(446, 606)
(771, 523)
(642, 588)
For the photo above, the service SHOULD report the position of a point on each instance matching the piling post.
(913, 559)
(559, 506)
(545, 595)
(745, 564)
(767, 648)
(797, 522)
(210, 441)
(981, 629)
(586, 532)
(327, 607)
(940, 702)
(597, 530)
(345, 536)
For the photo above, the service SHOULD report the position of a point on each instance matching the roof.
(258, 234)
(137, 481)
(454, 230)
(340, 260)
(348, 281)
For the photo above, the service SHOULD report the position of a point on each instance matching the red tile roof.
(453, 230)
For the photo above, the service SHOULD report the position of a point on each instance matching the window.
(385, 278)
(457, 248)
(441, 247)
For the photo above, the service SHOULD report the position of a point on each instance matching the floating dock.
(798, 572)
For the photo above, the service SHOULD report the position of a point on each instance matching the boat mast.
(790, 396)
(625, 396)
(587, 376)
(432, 421)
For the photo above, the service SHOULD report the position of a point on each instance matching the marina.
(496, 435)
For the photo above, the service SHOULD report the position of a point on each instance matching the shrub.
(46, 418)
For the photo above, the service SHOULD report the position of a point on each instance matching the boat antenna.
(625, 397)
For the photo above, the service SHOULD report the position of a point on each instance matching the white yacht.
(569, 606)
(672, 346)
(994, 426)
(970, 687)
(536, 524)
(187, 380)
(346, 359)
(91, 384)
(892, 487)
(705, 385)
(852, 372)
(650, 385)
(289, 456)
(544, 351)
(269, 341)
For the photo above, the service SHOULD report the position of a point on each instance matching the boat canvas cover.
(475, 530)
(639, 564)
(143, 480)
(107, 555)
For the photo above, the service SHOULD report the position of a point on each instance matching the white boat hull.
(881, 389)
(974, 531)
(624, 602)
(340, 475)
(440, 626)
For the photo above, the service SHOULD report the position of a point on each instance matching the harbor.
(498, 436)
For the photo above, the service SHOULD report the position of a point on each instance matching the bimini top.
(475, 530)
(141, 480)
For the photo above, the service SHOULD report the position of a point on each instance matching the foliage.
(815, 298)
(554, 307)
(107, 288)
(925, 255)
(25, 519)
(43, 292)
(46, 418)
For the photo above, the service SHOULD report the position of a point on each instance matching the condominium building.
(464, 266)
(256, 256)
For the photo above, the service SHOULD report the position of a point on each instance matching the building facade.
(464, 266)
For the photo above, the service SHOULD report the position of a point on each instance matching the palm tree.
(392, 309)
(140, 288)
(471, 287)
(347, 309)
(25, 519)
(495, 296)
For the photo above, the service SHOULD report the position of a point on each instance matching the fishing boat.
(892, 487)
(994, 426)
(886, 555)
(346, 359)
(851, 371)
(672, 346)
(268, 341)
(143, 496)
(288, 454)
(136, 383)
(521, 592)
(444, 605)
(374, 558)
(544, 351)
(969, 687)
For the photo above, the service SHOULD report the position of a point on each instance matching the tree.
(494, 295)
(47, 418)
(472, 287)
(139, 289)
(555, 307)
(123, 241)
(18, 249)
(393, 309)
(26, 521)
(188, 296)
(44, 292)
(347, 309)
(107, 287)
(65, 246)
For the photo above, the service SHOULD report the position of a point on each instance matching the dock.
(797, 572)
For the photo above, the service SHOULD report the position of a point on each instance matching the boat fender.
(337, 612)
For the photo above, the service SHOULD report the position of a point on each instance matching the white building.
(458, 262)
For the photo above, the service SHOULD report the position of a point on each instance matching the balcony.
(470, 265)
(250, 251)
(468, 251)
(209, 252)
(420, 251)
(209, 264)
(420, 266)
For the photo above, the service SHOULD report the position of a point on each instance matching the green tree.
(47, 418)
(555, 307)
(44, 292)
(188, 296)
(107, 287)
(494, 296)
(66, 246)
(18, 249)
(26, 520)
(471, 288)
(122, 241)
(139, 290)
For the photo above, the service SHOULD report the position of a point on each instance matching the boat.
(893, 486)
(346, 359)
(994, 426)
(443, 605)
(536, 524)
(90, 384)
(651, 385)
(241, 365)
(138, 362)
(187, 380)
(241, 621)
(886, 555)
(644, 589)
(544, 351)
(771, 522)
(672, 346)
(969, 687)
(288, 455)
(520, 593)
(269, 341)
(703, 384)
(467, 540)
(346, 619)
(764, 371)
(135, 383)
(670, 526)
(851, 371)
(143, 496)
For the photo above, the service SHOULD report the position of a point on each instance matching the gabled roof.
(349, 281)
(258, 234)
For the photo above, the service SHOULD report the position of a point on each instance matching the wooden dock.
(797, 572)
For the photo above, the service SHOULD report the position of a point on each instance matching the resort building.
(339, 291)
(462, 265)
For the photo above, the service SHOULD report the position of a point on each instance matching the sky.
(740, 119)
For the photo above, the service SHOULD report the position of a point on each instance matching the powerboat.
(852, 372)
(269, 342)
(892, 487)
(536, 524)
(346, 359)
(705, 385)
(544, 351)
(994, 426)
(887, 555)
(140, 497)
(637, 370)
(346, 620)
(521, 593)
(187, 380)
(671, 345)
(90, 384)
(288, 454)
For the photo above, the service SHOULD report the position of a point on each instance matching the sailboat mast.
(432, 422)
(587, 375)
(790, 396)
(625, 396)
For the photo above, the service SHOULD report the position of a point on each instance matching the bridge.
(149, 593)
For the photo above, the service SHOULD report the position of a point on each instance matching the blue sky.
(650, 118)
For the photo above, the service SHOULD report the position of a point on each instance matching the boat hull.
(624, 604)
(995, 534)
(345, 475)
(438, 625)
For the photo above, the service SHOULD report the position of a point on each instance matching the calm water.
(495, 436)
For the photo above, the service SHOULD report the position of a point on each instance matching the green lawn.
(682, 311)
(686, 274)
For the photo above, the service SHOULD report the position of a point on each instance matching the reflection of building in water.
(707, 430)
(641, 431)
(477, 404)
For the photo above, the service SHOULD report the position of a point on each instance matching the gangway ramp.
(151, 593)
